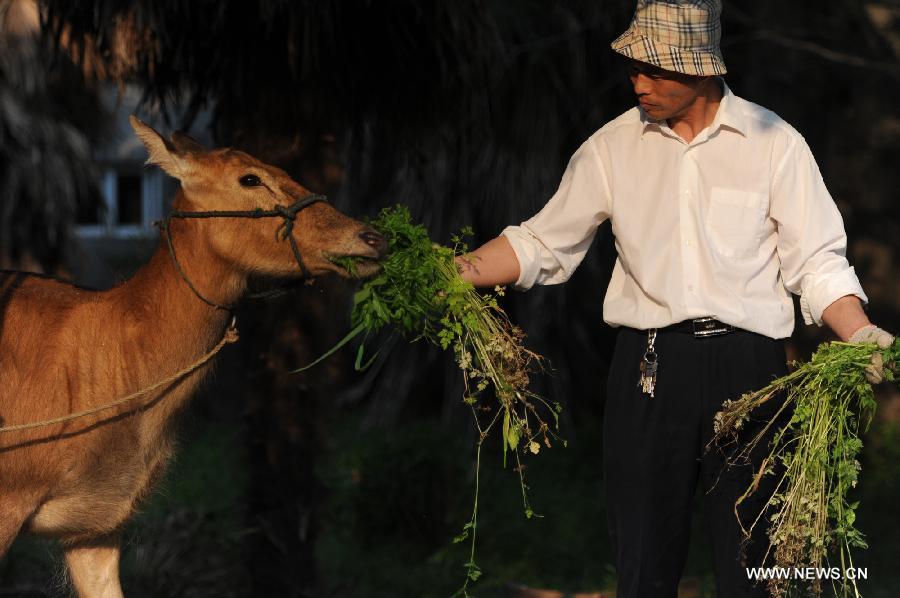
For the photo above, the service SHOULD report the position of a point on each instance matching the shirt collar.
(729, 114)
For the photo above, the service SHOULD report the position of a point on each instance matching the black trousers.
(654, 454)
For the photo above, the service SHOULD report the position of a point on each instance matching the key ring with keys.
(649, 365)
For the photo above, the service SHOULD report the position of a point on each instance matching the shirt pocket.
(735, 221)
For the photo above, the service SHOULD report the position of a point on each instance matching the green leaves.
(512, 438)
(413, 285)
(473, 571)
(505, 434)
(348, 263)
(810, 516)
(510, 434)
(465, 533)
(420, 294)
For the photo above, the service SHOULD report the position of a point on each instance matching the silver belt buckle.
(704, 327)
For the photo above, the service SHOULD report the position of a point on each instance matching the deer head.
(230, 180)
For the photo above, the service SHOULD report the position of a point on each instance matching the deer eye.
(250, 180)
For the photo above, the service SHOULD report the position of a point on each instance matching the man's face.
(663, 94)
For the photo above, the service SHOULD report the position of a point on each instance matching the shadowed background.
(334, 483)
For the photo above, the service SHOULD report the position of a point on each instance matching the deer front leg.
(94, 567)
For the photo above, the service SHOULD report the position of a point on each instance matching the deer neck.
(173, 289)
(167, 328)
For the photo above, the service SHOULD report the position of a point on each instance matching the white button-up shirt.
(725, 226)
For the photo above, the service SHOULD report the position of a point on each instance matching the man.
(719, 213)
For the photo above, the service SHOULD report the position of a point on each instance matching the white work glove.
(874, 334)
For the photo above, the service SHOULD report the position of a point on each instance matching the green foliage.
(420, 294)
(811, 518)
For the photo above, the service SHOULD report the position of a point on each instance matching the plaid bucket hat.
(676, 35)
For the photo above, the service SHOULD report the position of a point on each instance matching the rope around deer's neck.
(230, 336)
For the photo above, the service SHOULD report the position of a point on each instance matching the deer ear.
(184, 143)
(162, 152)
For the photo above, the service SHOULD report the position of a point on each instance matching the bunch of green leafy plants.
(420, 294)
(813, 457)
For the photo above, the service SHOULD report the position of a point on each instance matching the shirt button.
(691, 288)
(688, 243)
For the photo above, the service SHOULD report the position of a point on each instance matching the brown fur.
(64, 349)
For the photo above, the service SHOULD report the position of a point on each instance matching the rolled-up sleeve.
(551, 244)
(812, 244)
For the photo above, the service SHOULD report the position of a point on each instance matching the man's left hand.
(883, 339)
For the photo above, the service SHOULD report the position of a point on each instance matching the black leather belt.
(701, 327)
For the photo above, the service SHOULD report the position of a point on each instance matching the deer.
(73, 352)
